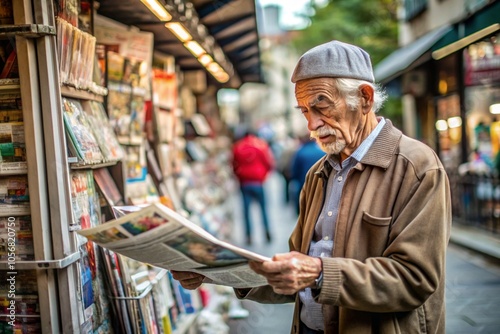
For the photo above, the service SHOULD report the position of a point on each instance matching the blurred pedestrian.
(284, 165)
(304, 158)
(252, 162)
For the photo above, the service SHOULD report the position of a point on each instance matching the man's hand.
(290, 272)
(188, 279)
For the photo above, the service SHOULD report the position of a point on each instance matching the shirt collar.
(361, 150)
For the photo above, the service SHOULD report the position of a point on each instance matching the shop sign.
(482, 62)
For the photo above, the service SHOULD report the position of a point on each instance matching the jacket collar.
(384, 147)
(325, 168)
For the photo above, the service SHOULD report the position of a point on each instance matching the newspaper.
(163, 238)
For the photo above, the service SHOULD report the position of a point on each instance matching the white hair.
(349, 90)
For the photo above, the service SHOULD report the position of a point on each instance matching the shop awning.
(472, 29)
(408, 56)
(230, 24)
(233, 24)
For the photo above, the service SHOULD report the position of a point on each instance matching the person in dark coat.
(306, 155)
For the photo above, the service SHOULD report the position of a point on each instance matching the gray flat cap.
(335, 60)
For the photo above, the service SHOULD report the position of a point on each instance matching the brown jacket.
(387, 271)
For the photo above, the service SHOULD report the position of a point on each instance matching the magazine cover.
(80, 134)
(14, 189)
(108, 187)
(8, 59)
(84, 199)
(24, 238)
(104, 133)
(12, 147)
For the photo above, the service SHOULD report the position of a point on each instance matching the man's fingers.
(182, 275)
(187, 279)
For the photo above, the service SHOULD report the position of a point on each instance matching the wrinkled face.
(329, 119)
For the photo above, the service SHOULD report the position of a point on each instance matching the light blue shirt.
(324, 231)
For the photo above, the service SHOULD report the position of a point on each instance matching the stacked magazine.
(81, 140)
(163, 238)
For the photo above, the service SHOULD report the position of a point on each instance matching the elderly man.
(368, 252)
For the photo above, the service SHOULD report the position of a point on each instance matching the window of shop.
(447, 81)
(448, 118)
(449, 127)
(483, 127)
(482, 99)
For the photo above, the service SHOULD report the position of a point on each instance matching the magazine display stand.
(83, 140)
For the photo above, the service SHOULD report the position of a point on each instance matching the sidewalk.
(476, 240)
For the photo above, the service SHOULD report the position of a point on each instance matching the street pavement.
(472, 292)
(472, 281)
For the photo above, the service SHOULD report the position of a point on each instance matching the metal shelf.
(41, 264)
(22, 315)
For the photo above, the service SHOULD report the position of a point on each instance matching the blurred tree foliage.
(370, 24)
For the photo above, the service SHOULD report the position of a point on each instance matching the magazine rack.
(56, 267)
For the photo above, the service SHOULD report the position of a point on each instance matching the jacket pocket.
(377, 221)
(374, 235)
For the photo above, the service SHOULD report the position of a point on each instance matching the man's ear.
(367, 92)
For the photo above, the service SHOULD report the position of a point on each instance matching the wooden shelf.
(13, 168)
(9, 85)
(75, 93)
(15, 210)
(27, 30)
(74, 164)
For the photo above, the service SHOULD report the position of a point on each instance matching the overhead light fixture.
(205, 59)
(212, 58)
(441, 125)
(222, 77)
(214, 67)
(218, 72)
(454, 122)
(158, 9)
(495, 108)
(195, 48)
(179, 31)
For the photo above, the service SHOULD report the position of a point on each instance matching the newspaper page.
(163, 238)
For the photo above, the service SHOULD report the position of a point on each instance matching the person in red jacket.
(252, 162)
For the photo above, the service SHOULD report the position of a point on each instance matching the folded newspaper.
(163, 238)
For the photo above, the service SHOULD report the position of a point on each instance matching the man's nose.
(314, 121)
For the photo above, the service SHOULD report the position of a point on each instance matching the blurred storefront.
(450, 84)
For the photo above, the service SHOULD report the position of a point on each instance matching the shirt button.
(330, 213)
(322, 255)
(325, 238)
(340, 178)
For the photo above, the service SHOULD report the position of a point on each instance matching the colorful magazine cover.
(104, 133)
(14, 189)
(79, 131)
(84, 199)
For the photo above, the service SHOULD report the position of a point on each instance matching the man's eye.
(321, 110)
